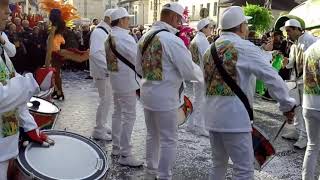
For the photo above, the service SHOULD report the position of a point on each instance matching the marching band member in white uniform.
(99, 72)
(226, 117)
(302, 41)
(124, 86)
(15, 92)
(164, 65)
(311, 109)
(198, 47)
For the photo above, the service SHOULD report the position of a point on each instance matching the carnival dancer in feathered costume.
(60, 14)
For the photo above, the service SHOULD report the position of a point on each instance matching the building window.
(201, 6)
(151, 5)
(193, 11)
(215, 7)
(208, 7)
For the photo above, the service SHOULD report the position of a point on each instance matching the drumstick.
(280, 129)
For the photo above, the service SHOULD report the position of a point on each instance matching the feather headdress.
(68, 12)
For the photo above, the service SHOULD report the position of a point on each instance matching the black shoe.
(54, 94)
(88, 77)
(59, 97)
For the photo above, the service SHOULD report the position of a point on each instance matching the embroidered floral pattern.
(112, 61)
(195, 52)
(10, 124)
(311, 74)
(152, 60)
(5, 73)
(214, 82)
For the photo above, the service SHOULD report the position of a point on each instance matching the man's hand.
(290, 115)
(38, 137)
(285, 61)
(268, 46)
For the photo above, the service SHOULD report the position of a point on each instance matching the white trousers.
(197, 120)
(312, 119)
(105, 93)
(299, 122)
(4, 170)
(237, 146)
(123, 118)
(161, 142)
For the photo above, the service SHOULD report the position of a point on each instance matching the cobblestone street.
(194, 154)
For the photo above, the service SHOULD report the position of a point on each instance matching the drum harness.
(234, 87)
(144, 48)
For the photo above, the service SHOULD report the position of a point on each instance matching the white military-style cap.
(232, 17)
(202, 23)
(177, 8)
(108, 12)
(119, 13)
(291, 23)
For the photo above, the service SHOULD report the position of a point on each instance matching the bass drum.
(72, 157)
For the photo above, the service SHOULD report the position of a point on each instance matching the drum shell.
(44, 121)
(263, 149)
(15, 173)
(46, 115)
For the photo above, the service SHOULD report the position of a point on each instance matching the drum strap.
(230, 82)
(103, 29)
(123, 59)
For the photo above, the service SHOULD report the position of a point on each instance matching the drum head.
(72, 157)
(45, 106)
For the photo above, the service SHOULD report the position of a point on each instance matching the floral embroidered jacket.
(15, 92)
(198, 47)
(122, 78)
(296, 56)
(311, 78)
(224, 111)
(165, 64)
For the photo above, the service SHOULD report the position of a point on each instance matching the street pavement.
(194, 154)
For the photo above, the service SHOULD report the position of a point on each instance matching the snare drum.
(72, 157)
(45, 114)
(263, 149)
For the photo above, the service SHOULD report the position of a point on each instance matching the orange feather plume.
(68, 12)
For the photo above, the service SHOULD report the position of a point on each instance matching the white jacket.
(15, 92)
(198, 47)
(311, 78)
(97, 59)
(164, 66)
(244, 62)
(122, 78)
(297, 54)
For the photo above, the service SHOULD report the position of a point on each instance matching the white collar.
(167, 26)
(104, 24)
(119, 29)
(201, 34)
(231, 34)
